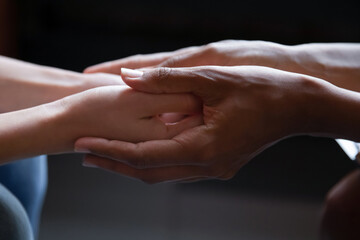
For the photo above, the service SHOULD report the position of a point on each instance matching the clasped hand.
(245, 109)
(254, 94)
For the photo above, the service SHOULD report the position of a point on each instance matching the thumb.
(166, 80)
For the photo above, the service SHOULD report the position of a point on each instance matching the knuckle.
(211, 48)
(171, 62)
(161, 76)
(163, 73)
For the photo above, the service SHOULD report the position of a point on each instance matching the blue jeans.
(26, 180)
(14, 222)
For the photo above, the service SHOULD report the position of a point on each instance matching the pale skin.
(24, 85)
(246, 108)
(338, 63)
(36, 124)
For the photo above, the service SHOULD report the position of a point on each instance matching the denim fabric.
(14, 222)
(27, 181)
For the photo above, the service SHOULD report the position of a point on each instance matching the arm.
(24, 85)
(246, 109)
(114, 112)
(338, 63)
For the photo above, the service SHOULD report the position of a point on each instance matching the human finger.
(149, 175)
(136, 61)
(161, 130)
(191, 59)
(149, 154)
(168, 80)
(155, 104)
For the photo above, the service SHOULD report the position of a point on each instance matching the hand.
(246, 109)
(223, 53)
(338, 63)
(112, 112)
(121, 113)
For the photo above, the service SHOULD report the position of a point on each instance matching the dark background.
(278, 195)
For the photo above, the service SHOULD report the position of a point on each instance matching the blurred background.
(278, 195)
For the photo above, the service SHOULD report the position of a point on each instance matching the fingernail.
(130, 73)
(81, 150)
(90, 165)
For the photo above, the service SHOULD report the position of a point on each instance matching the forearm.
(333, 112)
(34, 131)
(24, 85)
(338, 63)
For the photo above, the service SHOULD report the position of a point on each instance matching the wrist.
(305, 61)
(278, 56)
(331, 111)
(59, 130)
(302, 110)
(338, 63)
(65, 119)
(33, 131)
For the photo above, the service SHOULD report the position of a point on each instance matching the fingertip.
(89, 70)
(131, 83)
(95, 68)
(135, 79)
(80, 146)
(127, 73)
(170, 118)
(87, 163)
(92, 161)
(85, 144)
(78, 149)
